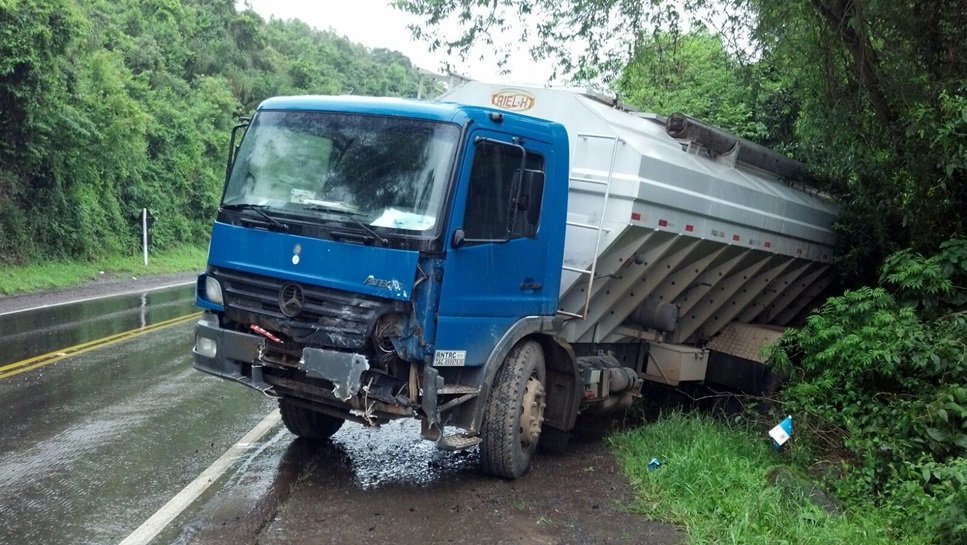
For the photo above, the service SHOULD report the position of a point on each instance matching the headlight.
(206, 347)
(213, 291)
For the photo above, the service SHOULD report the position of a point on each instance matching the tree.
(589, 38)
(109, 106)
(690, 73)
(34, 37)
(881, 85)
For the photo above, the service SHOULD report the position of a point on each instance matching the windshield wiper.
(352, 216)
(257, 208)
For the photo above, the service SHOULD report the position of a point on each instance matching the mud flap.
(432, 384)
(342, 369)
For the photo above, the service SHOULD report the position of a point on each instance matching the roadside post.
(147, 220)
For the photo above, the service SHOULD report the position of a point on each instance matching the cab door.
(496, 269)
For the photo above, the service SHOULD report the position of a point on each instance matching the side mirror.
(458, 238)
(527, 192)
(236, 141)
(532, 189)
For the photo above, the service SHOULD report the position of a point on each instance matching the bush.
(883, 369)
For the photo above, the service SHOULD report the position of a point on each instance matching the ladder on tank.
(599, 228)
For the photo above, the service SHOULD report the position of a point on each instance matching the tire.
(514, 413)
(307, 423)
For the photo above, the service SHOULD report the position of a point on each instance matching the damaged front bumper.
(344, 371)
(225, 353)
(237, 356)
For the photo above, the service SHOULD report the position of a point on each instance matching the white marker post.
(144, 234)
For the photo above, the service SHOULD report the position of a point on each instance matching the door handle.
(531, 286)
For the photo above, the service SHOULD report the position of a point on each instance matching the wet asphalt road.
(93, 444)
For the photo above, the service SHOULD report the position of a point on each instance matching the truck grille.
(328, 317)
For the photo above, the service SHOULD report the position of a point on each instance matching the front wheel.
(515, 412)
(307, 423)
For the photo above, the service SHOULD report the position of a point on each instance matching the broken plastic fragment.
(342, 369)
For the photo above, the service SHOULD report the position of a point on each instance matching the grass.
(51, 275)
(712, 482)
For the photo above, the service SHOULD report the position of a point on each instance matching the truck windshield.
(380, 171)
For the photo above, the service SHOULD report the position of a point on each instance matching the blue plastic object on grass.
(781, 433)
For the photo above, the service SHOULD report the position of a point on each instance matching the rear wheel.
(515, 412)
(308, 423)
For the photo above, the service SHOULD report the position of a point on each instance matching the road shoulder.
(104, 286)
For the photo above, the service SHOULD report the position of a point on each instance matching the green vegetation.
(714, 482)
(109, 107)
(879, 380)
(877, 390)
(694, 73)
(59, 274)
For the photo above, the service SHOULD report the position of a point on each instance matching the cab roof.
(434, 111)
(431, 110)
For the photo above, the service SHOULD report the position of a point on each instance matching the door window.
(491, 196)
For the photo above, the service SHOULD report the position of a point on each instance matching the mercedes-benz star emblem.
(291, 300)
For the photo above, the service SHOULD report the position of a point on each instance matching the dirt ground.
(364, 486)
(386, 486)
(577, 498)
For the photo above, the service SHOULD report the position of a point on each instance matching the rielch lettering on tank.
(514, 100)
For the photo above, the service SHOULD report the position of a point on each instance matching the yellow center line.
(28, 364)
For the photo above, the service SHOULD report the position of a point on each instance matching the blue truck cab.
(377, 258)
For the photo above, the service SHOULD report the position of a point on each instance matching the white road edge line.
(154, 525)
(132, 292)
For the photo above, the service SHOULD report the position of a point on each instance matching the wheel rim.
(531, 412)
